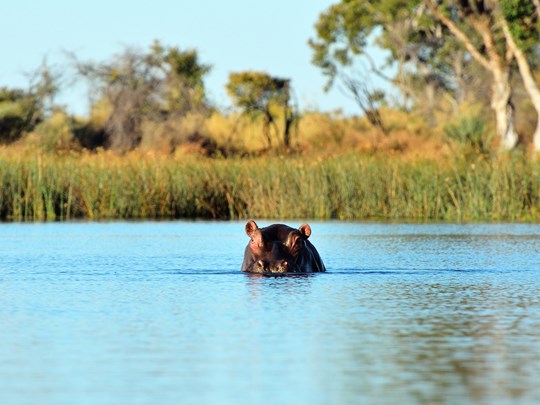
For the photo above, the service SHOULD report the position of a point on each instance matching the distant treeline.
(155, 99)
(468, 69)
(35, 186)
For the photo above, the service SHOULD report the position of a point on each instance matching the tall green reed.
(42, 187)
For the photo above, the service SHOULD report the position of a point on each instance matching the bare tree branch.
(460, 35)
(526, 75)
(365, 100)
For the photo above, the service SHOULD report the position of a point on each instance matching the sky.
(232, 36)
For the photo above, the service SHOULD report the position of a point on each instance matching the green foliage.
(433, 69)
(342, 33)
(183, 74)
(18, 114)
(139, 88)
(523, 21)
(22, 109)
(259, 94)
(54, 134)
(344, 30)
(470, 131)
(256, 92)
(354, 187)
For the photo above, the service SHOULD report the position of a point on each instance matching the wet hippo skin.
(279, 248)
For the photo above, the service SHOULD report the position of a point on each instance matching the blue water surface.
(159, 312)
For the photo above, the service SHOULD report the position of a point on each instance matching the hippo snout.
(278, 266)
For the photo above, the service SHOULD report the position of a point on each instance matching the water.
(144, 313)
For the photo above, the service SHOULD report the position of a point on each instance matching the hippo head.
(280, 249)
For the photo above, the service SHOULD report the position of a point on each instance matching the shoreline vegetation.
(37, 186)
(452, 135)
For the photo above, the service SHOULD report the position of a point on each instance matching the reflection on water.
(287, 286)
(160, 312)
(453, 341)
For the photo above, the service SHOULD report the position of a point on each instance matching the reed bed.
(39, 187)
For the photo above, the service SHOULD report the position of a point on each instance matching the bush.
(173, 132)
(18, 114)
(55, 134)
(470, 131)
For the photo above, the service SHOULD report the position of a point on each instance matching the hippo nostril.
(261, 264)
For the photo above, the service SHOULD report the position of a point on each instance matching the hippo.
(279, 248)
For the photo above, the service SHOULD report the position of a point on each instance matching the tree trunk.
(501, 90)
(537, 6)
(528, 80)
(364, 99)
(268, 123)
(287, 133)
(504, 110)
(290, 117)
(461, 88)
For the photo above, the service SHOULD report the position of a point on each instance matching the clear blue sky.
(231, 35)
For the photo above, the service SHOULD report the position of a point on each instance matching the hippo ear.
(305, 230)
(251, 227)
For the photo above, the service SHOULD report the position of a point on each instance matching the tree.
(520, 24)
(182, 77)
(259, 94)
(165, 83)
(22, 109)
(343, 32)
(424, 61)
(475, 27)
(433, 40)
(18, 114)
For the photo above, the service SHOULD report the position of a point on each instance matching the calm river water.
(159, 313)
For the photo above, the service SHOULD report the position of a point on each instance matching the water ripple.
(160, 312)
